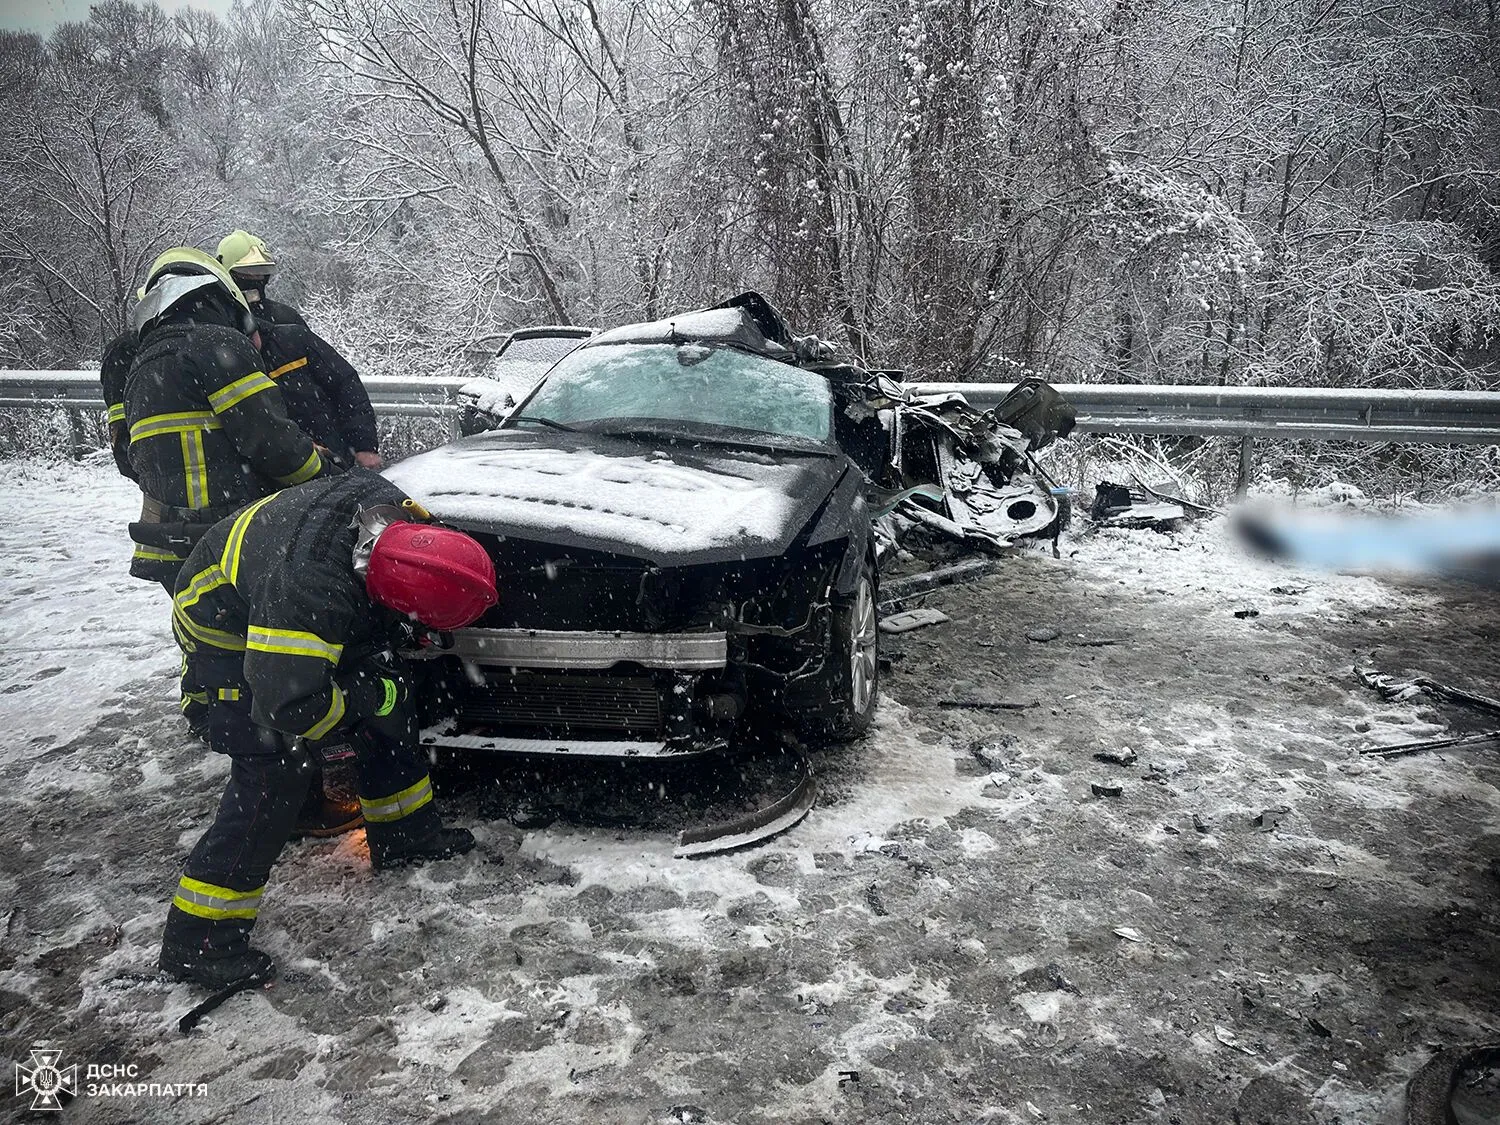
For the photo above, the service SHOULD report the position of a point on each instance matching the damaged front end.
(966, 473)
(600, 655)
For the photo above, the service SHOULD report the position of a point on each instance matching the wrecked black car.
(683, 517)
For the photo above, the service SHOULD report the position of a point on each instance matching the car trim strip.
(544, 648)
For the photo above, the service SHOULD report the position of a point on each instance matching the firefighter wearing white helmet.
(323, 392)
(207, 428)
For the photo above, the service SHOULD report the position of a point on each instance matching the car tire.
(842, 698)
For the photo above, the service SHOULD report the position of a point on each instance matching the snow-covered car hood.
(671, 505)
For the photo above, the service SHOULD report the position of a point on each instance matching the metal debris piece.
(895, 592)
(1124, 756)
(1230, 1039)
(1043, 633)
(1401, 749)
(984, 704)
(1248, 611)
(1171, 831)
(1129, 933)
(1201, 825)
(1106, 789)
(1289, 591)
(907, 620)
(755, 827)
(189, 1021)
(1390, 688)
(1160, 493)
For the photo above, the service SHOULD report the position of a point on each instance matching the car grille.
(561, 703)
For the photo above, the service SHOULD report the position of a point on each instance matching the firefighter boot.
(245, 967)
(388, 850)
(324, 814)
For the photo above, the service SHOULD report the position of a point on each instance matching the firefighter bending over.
(207, 428)
(288, 615)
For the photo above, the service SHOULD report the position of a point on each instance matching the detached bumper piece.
(450, 736)
(753, 828)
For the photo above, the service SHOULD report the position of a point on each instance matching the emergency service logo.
(45, 1080)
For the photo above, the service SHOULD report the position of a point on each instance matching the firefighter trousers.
(219, 894)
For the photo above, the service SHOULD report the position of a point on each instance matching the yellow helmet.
(181, 271)
(241, 250)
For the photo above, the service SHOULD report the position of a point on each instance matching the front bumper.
(582, 693)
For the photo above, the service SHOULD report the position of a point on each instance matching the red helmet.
(441, 577)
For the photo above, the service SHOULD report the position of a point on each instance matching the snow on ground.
(1261, 927)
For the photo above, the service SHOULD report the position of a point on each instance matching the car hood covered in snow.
(670, 504)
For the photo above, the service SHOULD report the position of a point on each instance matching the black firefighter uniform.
(280, 639)
(208, 431)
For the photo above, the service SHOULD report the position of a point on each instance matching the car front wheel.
(849, 684)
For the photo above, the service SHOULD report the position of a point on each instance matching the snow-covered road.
(962, 931)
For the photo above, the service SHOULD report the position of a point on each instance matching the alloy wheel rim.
(862, 656)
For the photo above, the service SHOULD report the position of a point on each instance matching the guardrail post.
(1247, 465)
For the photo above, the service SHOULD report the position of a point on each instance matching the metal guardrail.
(1312, 413)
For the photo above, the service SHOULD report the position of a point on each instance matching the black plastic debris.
(1121, 756)
(1268, 819)
(1115, 505)
(1106, 788)
(1319, 1028)
(1248, 611)
(1201, 825)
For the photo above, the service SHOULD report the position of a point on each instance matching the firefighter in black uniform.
(114, 370)
(207, 427)
(321, 388)
(288, 614)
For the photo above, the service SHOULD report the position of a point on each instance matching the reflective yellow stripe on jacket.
(115, 412)
(182, 422)
(329, 721)
(205, 900)
(286, 368)
(229, 562)
(291, 642)
(239, 390)
(310, 468)
(150, 554)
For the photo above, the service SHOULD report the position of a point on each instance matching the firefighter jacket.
(270, 609)
(114, 369)
(207, 431)
(268, 311)
(321, 390)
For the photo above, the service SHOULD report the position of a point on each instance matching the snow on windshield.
(701, 383)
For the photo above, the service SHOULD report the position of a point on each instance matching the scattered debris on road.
(909, 619)
(1402, 749)
(1123, 756)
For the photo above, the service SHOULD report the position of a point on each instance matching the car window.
(714, 385)
(539, 348)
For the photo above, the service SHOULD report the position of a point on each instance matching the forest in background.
(1276, 192)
